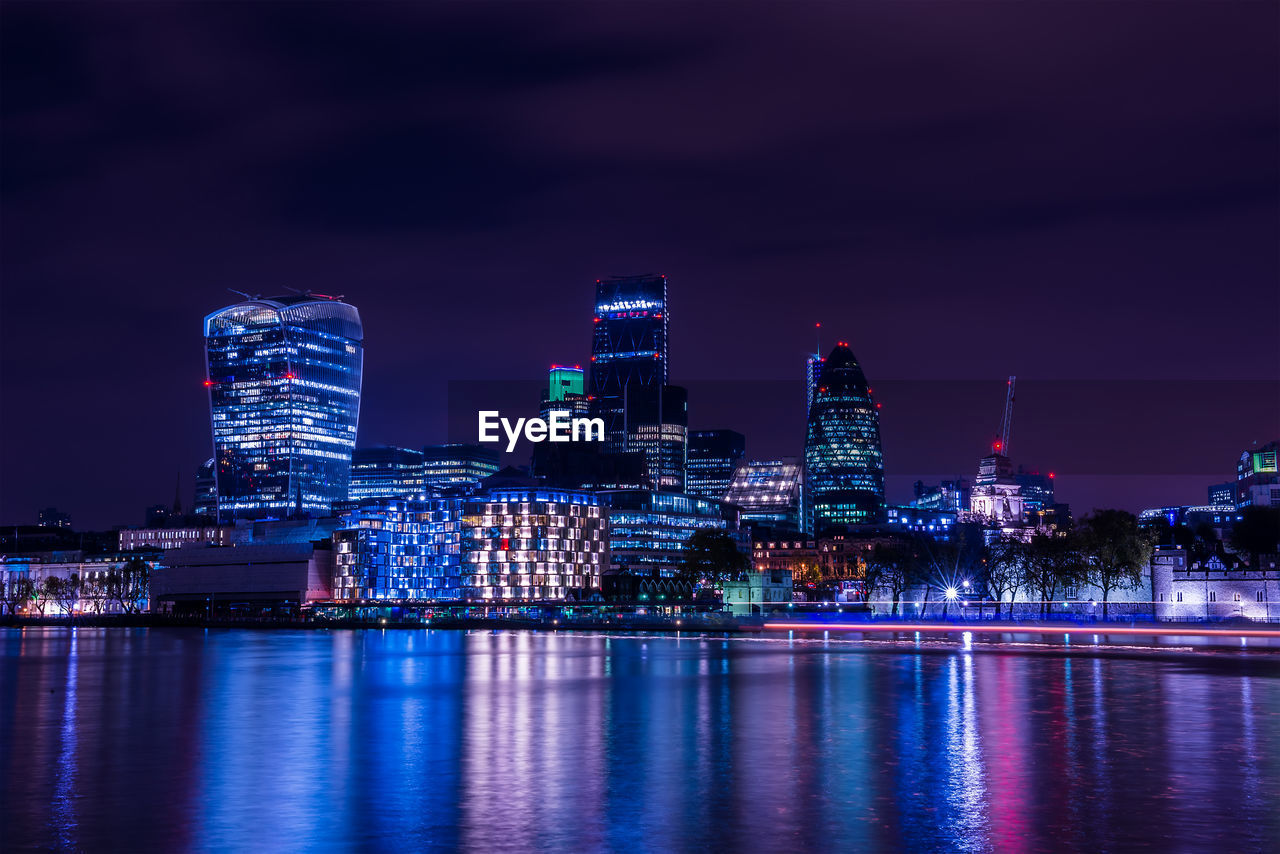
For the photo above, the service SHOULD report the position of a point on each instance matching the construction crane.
(1001, 444)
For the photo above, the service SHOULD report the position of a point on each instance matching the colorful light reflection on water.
(309, 740)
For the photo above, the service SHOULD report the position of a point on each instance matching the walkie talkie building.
(283, 375)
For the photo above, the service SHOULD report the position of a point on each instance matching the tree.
(1257, 533)
(1052, 562)
(64, 591)
(712, 557)
(126, 585)
(17, 591)
(1115, 550)
(869, 578)
(891, 563)
(1004, 559)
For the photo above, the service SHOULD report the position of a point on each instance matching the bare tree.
(16, 591)
(126, 585)
(65, 592)
(1004, 570)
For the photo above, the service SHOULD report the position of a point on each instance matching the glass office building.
(533, 544)
(457, 466)
(812, 374)
(844, 466)
(283, 376)
(628, 383)
(770, 493)
(386, 472)
(710, 462)
(499, 545)
(648, 529)
(565, 392)
(206, 497)
(400, 550)
(628, 348)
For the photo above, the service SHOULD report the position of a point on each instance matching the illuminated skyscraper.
(565, 392)
(843, 461)
(628, 348)
(629, 391)
(284, 396)
(709, 464)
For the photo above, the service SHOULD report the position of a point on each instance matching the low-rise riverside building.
(648, 530)
(95, 584)
(1221, 586)
(249, 578)
(758, 592)
(504, 544)
(177, 537)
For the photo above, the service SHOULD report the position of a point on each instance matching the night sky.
(1081, 194)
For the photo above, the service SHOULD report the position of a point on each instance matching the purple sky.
(1082, 194)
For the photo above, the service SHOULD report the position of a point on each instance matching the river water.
(217, 740)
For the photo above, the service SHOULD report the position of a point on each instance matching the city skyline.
(1077, 227)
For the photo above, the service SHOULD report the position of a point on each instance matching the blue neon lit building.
(844, 465)
(283, 375)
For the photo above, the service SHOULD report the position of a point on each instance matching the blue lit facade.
(502, 545)
(843, 459)
(400, 550)
(387, 472)
(284, 395)
(648, 529)
(937, 522)
(812, 376)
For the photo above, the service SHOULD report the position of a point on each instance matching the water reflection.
(210, 740)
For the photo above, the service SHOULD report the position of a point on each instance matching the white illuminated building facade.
(1219, 587)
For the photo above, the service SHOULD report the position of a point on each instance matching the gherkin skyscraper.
(843, 461)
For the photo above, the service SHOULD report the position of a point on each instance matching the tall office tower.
(770, 493)
(709, 464)
(565, 392)
(628, 349)
(457, 466)
(284, 399)
(844, 466)
(386, 472)
(642, 414)
(206, 499)
(658, 430)
(812, 373)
